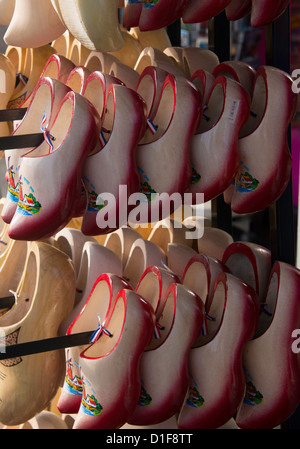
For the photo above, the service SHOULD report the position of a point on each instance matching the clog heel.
(110, 367)
(96, 311)
(161, 396)
(43, 106)
(270, 362)
(217, 384)
(43, 299)
(39, 213)
(265, 159)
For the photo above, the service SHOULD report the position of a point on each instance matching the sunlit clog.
(156, 38)
(124, 119)
(45, 296)
(161, 395)
(6, 11)
(265, 159)
(270, 363)
(63, 44)
(104, 34)
(78, 53)
(215, 155)
(130, 50)
(39, 212)
(95, 312)
(217, 384)
(110, 367)
(201, 11)
(44, 104)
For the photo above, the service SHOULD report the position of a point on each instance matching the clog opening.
(146, 90)
(163, 115)
(52, 70)
(24, 294)
(196, 279)
(106, 343)
(213, 109)
(75, 53)
(135, 266)
(65, 246)
(94, 92)
(268, 306)
(97, 305)
(257, 108)
(164, 322)
(240, 265)
(214, 316)
(75, 81)
(93, 64)
(149, 288)
(114, 243)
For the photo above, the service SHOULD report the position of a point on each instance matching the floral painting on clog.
(28, 204)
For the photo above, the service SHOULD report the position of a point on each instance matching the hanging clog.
(130, 51)
(120, 242)
(203, 10)
(7, 86)
(78, 53)
(214, 242)
(197, 58)
(131, 14)
(178, 255)
(77, 78)
(43, 211)
(169, 231)
(160, 14)
(151, 56)
(203, 81)
(264, 12)
(58, 67)
(110, 367)
(94, 313)
(251, 263)
(162, 395)
(240, 71)
(100, 61)
(214, 147)
(237, 9)
(217, 384)
(124, 119)
(265, 159)
(270, 363)
(43, 106)
(33, 24)
(143, 254)
(157, 38)
(149, 87)
(124, 73)
(44, 297)
(163, 154)
(63, 44)
(103, 34)
(6, 11)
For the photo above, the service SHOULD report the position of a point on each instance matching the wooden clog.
(130, 50)
(120, 242)
(110, 367)
(58, 67)
(271, 366)
(143, 254)
(77, 78)
(265, 11)
(39, 213)
(131, 14)
(239, 71)
(124, 116)
(213, 242)
(6, 11)
(151, 56)
(156, 38)
(95, 312)
(178, 256)
(7, 86)
(160, 14)
(45, 420)
(217, 384)
(44, 104)
(169, 231)
(149, 87)
(63, 44)
(44, 298)
(161, 396)
(78, 53)
(238, 9)
(201, 11)
(103, 34)
(265, 159)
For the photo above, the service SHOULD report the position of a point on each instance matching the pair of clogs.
(34, 208)
(262, 12)
(150, 16)
(107, 369)
(43, 298)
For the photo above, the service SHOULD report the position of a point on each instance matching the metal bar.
(8, 115)
(174, 33)
(21, 141)
(281, 213)
(219, 43)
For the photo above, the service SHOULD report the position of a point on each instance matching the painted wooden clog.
(238, 9)
(77, 78)
(240, 71)
(120, 242)
(35, 60)
(95, 260)
(153, 286)
(203, 81)
(265, 11)
(103, 34)
(201, 11)
(33, 24)
(110, 367)
(124, 73)
(156, 38)
(143, 254)
(214, 155)
(217, 384)
(44, 105)
(44, 299)
(214, 242)
(124, 116)
(271, 366)
(251, 263)
(163, 155)
(162, 395)
(178, 255)
(39, 213)
(58, 67)
(95, 312)
(265, 159)
(160, 14)
(131, 14)
(6, 11)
